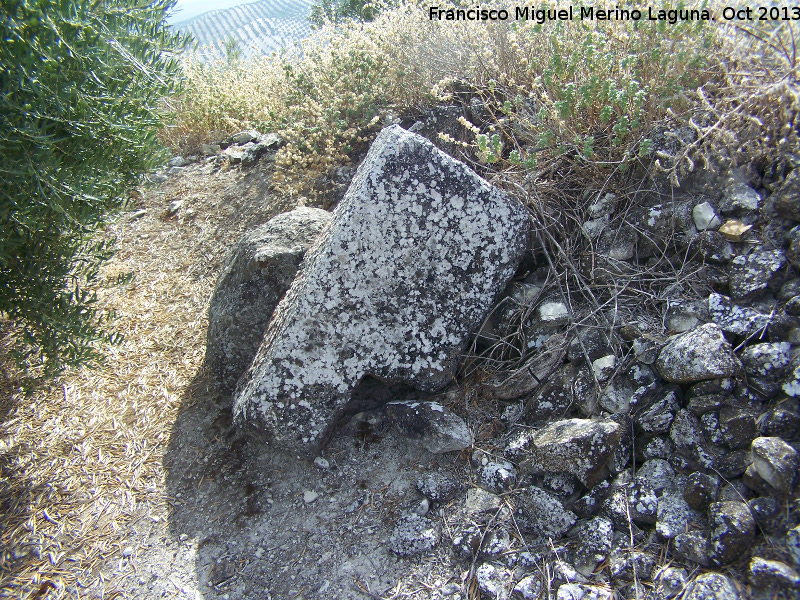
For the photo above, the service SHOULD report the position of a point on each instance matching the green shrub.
(589, 93)
(82, 89)
(337, 11)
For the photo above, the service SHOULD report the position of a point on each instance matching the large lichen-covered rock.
(702, 353)
(258, 270)
(409, 266)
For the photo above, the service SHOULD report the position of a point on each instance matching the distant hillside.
(260, 28)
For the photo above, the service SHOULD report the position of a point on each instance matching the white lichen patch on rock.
(408, 268)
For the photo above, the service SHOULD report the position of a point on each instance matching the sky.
(186, 9)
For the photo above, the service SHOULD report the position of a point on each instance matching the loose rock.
(702, 353)
(705, 217)
(732, 531)
(414, 534)
(258, 270)
(776, 462)
(576, 446)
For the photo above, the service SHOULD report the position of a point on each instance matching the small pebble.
(322, 463)
(309, 496)
(423, 507)
(450, 589)
(127, 552)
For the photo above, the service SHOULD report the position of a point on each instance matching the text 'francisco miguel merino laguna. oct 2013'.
(590, 13)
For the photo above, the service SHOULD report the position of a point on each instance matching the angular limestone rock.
(580, 447)
(733, 531)
(777, 463)
(711, 586)
(409, 266)
(702, 353)
(258, 270)
(545, 514)
(434, 426)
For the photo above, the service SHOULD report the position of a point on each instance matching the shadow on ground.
(246, 521)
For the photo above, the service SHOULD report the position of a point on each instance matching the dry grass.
(576, 101)
(83, 458)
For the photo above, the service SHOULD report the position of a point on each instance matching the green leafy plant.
(590, 92)
(233, 53)
(338, 11)
(80, 110)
